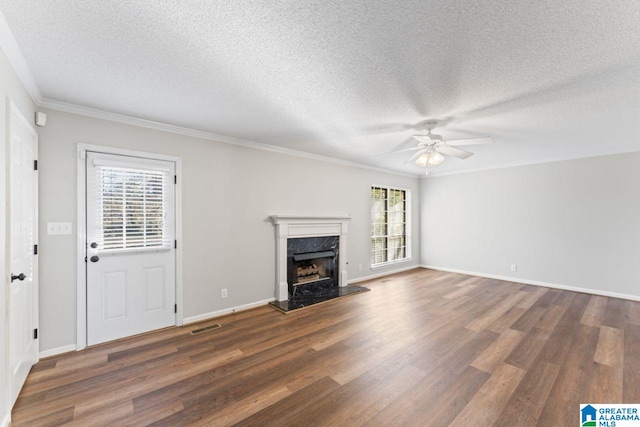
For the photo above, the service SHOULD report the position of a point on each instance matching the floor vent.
(205, 329)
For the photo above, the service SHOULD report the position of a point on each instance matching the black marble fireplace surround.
(312, 272)
(313, 254)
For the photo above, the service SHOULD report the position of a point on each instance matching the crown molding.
(16, 59)
(149, 124)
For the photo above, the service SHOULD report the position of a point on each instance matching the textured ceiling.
(548, 80)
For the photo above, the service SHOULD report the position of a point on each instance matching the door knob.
(94, 258)
(20, 277)
(94, 245)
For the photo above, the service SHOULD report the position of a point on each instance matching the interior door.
(130, 246)
(23, 300)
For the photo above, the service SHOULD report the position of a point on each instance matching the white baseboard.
(386, 273)
(536, 283)
(206, 316)
(6, 420)
(58, 350)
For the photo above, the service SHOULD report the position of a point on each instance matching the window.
(132, 208)
(390, 225)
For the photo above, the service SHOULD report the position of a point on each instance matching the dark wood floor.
(422, 348)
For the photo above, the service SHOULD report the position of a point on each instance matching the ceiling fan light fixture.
(423, 160)
(434, 159)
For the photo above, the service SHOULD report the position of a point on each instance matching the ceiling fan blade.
(454, 152)
(399, 151)
(389, 128)
(470, 141)
(425, 139)
(415, 156)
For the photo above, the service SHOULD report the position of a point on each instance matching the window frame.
(131, 244)
(407, 228)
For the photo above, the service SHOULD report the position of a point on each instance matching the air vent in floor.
(205, 329)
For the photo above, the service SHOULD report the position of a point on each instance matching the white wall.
(573, 223)
(10, 88)
(228, 194)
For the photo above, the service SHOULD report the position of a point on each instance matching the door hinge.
(35, 334)
(175, 308)
(35, 249)
(85, 259)
(175, 179)
(175, 244)
(35, 165)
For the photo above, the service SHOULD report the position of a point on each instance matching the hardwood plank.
(551, 318)
(633, 312)
(496, 311)
(569, 389)
(528, 399)
(605, 384)
(363, 398)
(150, 415)
(298, 406)
(442, 305)
(505, 321)
(486, 405)
(534, 296)
(631, 370)
(454, 398)
(59, 417)
(529, 319)
(43, 365)
(405, 409)
(528, 348)
(594, 313)
(498, 351)
(562, 338)
(564, 299)
(460, 292)
(615, 313)
(610, 349)
(95, 415)
(344, 373)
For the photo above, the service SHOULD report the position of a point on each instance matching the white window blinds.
(131, 207)
(389, 225)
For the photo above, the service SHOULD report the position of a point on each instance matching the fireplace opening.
(313, 264)
(313, 267)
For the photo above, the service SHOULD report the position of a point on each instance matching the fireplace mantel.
(293, 226)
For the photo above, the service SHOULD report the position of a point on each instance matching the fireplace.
(311, 258)
(310, 237)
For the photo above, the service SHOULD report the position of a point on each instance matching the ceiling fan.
(431, 147)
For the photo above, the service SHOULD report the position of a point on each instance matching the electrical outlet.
(514, 267)
(360, 267)
(223, 293)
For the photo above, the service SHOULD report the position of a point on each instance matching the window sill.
(388, 263)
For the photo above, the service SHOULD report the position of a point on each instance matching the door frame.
(81, 265)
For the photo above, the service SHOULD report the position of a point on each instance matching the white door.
(23, 302)
(130, 246)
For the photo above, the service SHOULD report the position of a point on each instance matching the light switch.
(57, 228)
